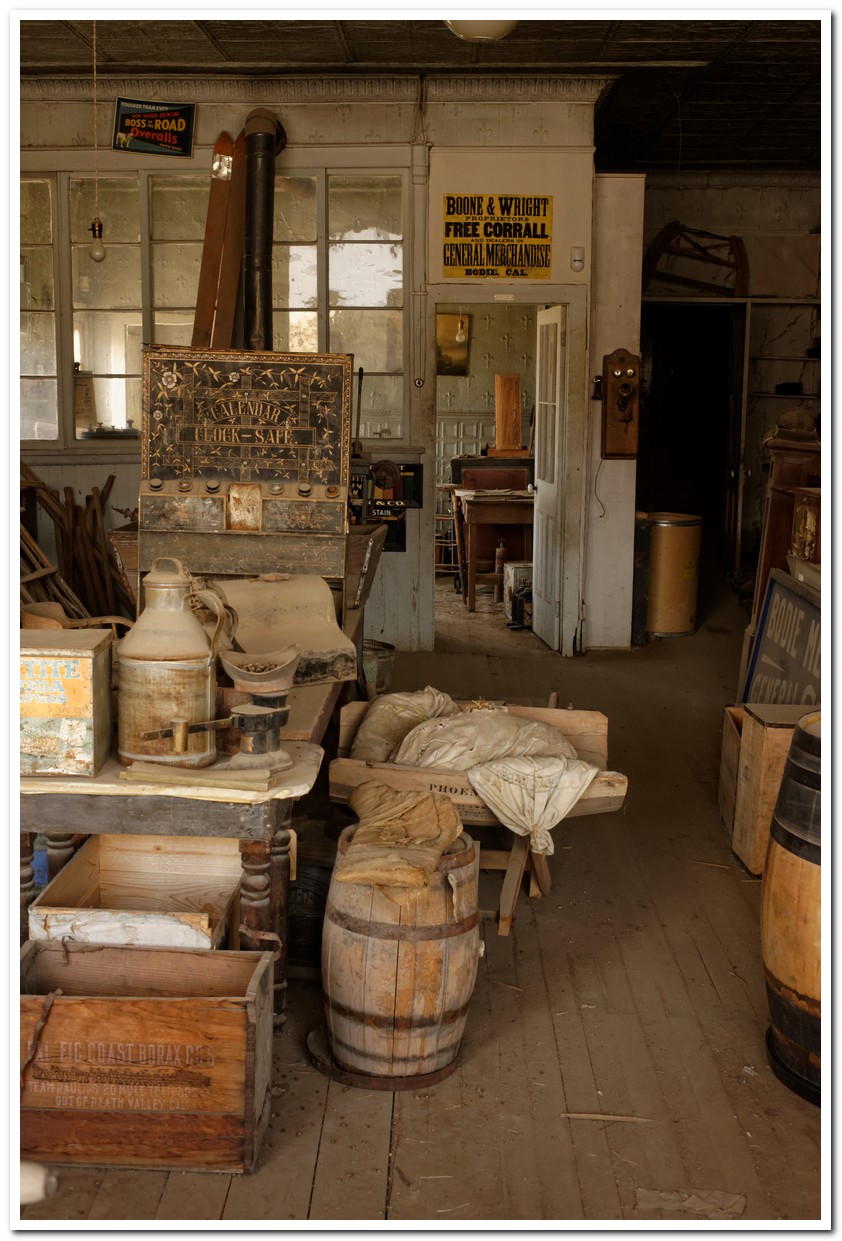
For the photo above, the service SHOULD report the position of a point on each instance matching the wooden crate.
(166, 891)
(732, 731)
(766, 737)
(587, 732)
(145, 1057)
(65, 701)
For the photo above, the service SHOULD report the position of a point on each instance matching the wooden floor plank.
(126, 1193)
(352, 1170)
(76, 1191)
(194, 1195)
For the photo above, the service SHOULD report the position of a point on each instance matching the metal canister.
(168, 674)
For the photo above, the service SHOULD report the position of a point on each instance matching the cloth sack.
(391, 716)
(531, 794)
(458, 743)
(400, 838)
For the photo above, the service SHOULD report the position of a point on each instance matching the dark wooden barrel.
(398, 977)
(790, 916)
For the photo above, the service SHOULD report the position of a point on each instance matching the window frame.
(394, 161)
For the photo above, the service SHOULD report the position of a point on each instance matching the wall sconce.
(577, 258)
(479, 32)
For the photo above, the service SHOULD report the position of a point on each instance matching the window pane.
(36, 224)
(365, 275)
(37, 344)
(108, 343)
(172, 328)
(114, 403)
(36, 279)
(295, 209)
(295, 331)
(381, 415)
(294, 272)
(175, 274)
(113, 282)
(178, 208)
(118, 210)
(365, 208)
(374, 337)
(38, 409)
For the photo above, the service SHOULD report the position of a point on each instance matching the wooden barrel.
(398, 978)
(790, 916)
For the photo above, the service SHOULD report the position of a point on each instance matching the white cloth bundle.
(531, 794)
(390, 717)
(458, 743)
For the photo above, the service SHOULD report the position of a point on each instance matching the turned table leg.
(279, 869)
(60, 849)
(27, 881)
(257, 930)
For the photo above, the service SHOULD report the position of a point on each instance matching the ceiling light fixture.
(480, 32)
(96, 250)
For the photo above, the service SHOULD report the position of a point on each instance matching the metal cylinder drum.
(398, 977)
(790, 916)
(673, 573)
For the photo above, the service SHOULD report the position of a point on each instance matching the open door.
(560, 447)
(546, 543)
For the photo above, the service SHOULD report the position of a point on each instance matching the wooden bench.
(587, 732)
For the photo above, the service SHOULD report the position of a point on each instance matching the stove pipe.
(265, 138)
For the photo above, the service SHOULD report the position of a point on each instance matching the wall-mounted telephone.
(619, 391)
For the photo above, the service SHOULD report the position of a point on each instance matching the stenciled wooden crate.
(764, 746)
(729, 763)
(587, 732)
(166, 891)
(144, 1057)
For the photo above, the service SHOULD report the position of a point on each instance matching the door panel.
(546, 577)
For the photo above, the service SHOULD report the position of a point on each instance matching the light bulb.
(96, 250)
(460, 331)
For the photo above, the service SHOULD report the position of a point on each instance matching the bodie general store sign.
(503, 236)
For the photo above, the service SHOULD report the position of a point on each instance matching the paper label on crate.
(55, 686)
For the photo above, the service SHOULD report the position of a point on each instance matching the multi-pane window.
(38, 363)
(366, 291)
(337, 287)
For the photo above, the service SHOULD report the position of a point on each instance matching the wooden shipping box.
(65, 701)
(166, 891)
(766, 737)
(144, 1057)
(729, 765)
(587, 732)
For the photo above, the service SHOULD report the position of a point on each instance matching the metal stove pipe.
(265, 138)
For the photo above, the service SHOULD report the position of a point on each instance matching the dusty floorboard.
(633, 989)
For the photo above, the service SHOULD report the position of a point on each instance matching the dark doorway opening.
(685, 415)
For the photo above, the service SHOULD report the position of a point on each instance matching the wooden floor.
(634, 990)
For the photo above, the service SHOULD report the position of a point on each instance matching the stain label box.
(145, 1057)
(65, 701)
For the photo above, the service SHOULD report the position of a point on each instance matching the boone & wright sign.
(503, 236)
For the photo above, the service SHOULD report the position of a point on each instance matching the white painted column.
(615, 324)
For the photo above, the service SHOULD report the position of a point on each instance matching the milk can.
(167, 687)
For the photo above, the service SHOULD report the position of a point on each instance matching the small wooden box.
(764, 746)
(587, 732)
(147, 1058)
(732, 731)
(65, 701)
(166, 891)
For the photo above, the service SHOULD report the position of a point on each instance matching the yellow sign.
(502, 236)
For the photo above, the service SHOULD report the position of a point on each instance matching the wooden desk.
(477, 508)
(64, 806)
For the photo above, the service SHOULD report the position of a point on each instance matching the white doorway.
(503, 337)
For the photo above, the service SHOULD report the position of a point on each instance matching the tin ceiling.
(734, 95)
